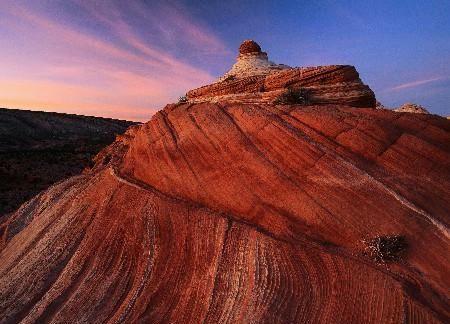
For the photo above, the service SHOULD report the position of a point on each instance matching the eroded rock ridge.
(254, 79)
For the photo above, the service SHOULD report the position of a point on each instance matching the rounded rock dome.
(249, 46)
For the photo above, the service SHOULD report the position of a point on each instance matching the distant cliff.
(38, 149)
(412, 108)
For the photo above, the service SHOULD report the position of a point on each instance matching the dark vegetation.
(389, 248)
(230, 78)
(38, 149)
(182, 99)
(294, 97)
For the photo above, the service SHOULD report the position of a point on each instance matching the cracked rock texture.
(233, 213)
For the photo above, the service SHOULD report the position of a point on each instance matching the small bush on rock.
(182, 99)
(230, 78)
(387, 248)
(294, 97)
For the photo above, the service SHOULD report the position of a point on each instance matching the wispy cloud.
(118, 73)
(416, 83)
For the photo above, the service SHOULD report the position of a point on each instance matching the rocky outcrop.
(250, 62)
(412, 108)
(249, 46)
(243, 214)
(254, 79)
(236, 210)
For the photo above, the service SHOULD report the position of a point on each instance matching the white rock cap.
(251, 61)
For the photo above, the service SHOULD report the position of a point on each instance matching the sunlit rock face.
(254, 79)
(221, 212)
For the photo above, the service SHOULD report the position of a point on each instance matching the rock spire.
(253, 79)
(251, 61)
(249, 46)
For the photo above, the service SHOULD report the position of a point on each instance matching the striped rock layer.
(333, 84)
(231, 213)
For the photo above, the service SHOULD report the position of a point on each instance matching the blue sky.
(126, 59)
(401, 48)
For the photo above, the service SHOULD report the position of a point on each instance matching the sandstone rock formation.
(241, 213)
(254, 79)
(250, 62)
(412, 108)
(249, 46)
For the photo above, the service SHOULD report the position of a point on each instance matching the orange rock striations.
(222, 212)
(241, 213)
(335, 84)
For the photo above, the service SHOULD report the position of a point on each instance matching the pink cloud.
(68, 69)
(57, 96)
(416, 83)
(172, 21)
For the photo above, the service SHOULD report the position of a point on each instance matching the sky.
(127, 59)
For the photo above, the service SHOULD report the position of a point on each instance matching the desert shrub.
(182, 99)
(294, 97)
(229, 78)
(106, 159)
(387, 248)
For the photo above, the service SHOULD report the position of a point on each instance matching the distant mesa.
(407, 107)
(254, 79)
(39, 148)
(412, 108)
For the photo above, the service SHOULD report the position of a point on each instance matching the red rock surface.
(249, 46)
(334, 84)
(232, 213)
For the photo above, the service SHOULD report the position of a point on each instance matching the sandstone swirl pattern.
(236, 213)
